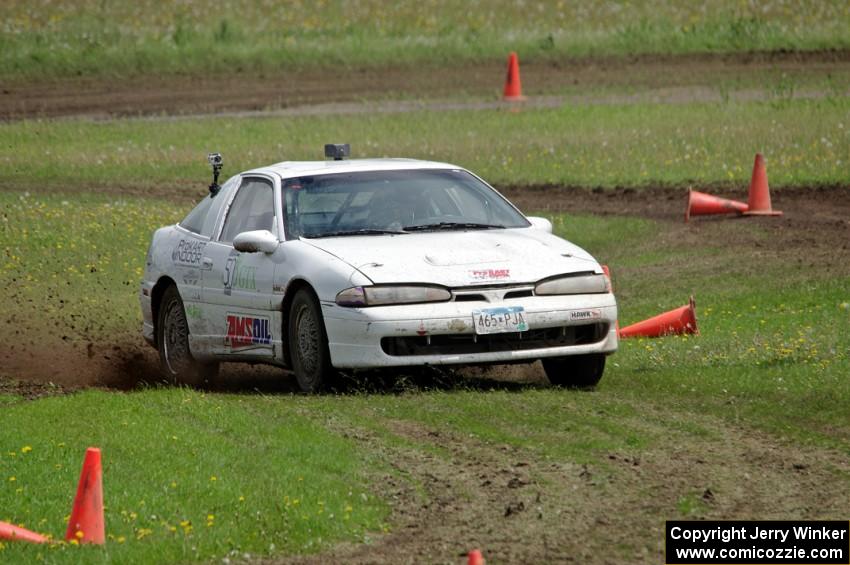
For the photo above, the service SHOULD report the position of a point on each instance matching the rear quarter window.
(194, 222)
(201, 219)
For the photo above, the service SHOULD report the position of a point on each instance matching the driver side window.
(252, 209)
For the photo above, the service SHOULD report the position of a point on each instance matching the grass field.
(186, 472)
(201, 492)
(748, 420)
(40, 39)
(805, 142)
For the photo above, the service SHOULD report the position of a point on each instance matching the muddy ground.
(521, 509)
(670, 78)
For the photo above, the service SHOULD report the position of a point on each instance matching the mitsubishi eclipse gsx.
(322, 266)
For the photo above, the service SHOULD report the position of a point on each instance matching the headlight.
(578, 283)
(381, 295)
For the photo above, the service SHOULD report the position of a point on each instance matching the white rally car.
(349, 264)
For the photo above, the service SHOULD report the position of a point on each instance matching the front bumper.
(444, 333)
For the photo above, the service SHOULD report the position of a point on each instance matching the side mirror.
(539, 223)
(255, 242)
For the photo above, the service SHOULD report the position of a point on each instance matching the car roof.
(288, 169)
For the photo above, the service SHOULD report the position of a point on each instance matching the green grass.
(69, 259)
(773, 358)
(187, 476)
(88, 37)
(805, 142)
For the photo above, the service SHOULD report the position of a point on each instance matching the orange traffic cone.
(701, 204)
(475, 557)
(675, 322)
(513, 86)
(86, 523)
(14, 533)
(759, 201)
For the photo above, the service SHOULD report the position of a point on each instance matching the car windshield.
(393, 202)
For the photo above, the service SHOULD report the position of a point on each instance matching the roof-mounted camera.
(216, 161)
(337, 151)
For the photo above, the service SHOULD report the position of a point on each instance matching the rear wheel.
(172, 339)
(308, 344)
(575, 371)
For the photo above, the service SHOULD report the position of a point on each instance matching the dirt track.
(670, 78)
(522, 509)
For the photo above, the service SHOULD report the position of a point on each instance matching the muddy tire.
(575, 371)
(172, 340)
(308, 344)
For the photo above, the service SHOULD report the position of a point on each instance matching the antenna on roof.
(216, 162)
(337, 151)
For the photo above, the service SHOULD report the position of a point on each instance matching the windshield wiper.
(363, 231)
(453, 226)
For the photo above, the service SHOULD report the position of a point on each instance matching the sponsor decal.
(192, 277)
(489, 274)
(188, 252)
(193, 311)
(278, 288)
(578, 315)
(245, 332)
(237, 275)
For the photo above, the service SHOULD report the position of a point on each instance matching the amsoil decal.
(578, 315)
(188, 252)
(489, 274)
(247, 331)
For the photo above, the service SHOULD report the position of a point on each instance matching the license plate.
(499, 320)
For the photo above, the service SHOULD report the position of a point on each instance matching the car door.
(237, 287)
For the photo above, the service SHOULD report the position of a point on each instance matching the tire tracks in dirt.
(450, 493)
(669, 78)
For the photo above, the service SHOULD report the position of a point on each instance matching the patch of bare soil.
(816, 220)
(452, 493)
(175, 95)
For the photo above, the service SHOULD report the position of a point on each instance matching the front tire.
(308, 344)
(172, 340)
(575, 371)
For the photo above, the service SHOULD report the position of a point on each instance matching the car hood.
(460, 258)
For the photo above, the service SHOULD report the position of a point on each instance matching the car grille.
(498, 293)
(456, 344)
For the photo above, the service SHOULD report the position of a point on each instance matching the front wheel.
(575, 371)
(308, 344)
(172, 339)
